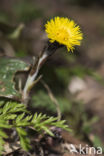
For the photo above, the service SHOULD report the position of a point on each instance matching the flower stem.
(48, 50)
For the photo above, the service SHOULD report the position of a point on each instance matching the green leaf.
(25, 143)
(50, 120)
(21, 131)
(8, 68)
(47, 130)
(20, 117)
(25, 120)
(24, 139)
(10, 117)
(6, 107)
(3, 134)
(1, 144)
(4, 124)
(1, 103)
(97, 142)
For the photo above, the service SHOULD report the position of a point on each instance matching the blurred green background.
(76, 79)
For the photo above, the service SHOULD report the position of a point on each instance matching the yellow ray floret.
(64, 31)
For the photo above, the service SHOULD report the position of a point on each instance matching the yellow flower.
(64, 31)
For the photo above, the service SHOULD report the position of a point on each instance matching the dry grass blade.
(52, 97)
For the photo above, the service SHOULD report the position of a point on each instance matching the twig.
(52, 97)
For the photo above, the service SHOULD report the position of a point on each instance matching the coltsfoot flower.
(64, 31)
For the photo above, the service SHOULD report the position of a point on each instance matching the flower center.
(62, 35)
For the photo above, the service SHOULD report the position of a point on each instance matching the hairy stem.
(32, 76)
(48, 50)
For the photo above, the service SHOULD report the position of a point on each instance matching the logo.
(79, 149)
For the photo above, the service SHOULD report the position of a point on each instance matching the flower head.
(64, 31)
